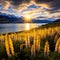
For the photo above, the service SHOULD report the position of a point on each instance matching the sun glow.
(27, 18)
(27, 26)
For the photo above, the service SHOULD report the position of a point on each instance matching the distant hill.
(58, 20)
(4, 18)
(50, 25)
(42, 21)
(10, 19)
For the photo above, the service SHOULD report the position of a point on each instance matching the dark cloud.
(18, 5)
(18, 2)
(54, 4)
(15, 3)
(42, 1)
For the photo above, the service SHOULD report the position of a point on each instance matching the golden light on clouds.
(27, 18)
(44, 5)
(6, 5)
(29, 10)
(34, 13)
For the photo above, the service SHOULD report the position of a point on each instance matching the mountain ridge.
(13, 19)
(58, 20)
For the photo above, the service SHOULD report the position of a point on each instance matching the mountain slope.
(42, 21)
(58, 20)
(51, 25)
(10, 19)
(4, 18)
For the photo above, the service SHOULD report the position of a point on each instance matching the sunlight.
(27, 26)
(27, 18)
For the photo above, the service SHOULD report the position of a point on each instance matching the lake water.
(17, 27)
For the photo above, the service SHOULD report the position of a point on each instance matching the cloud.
(45, 9)
(19, 4)
(54, 4)
(6, 5)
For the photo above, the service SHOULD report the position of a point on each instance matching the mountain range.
(4, 18)
(58, 20)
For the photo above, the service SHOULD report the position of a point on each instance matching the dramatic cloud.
(38, 9)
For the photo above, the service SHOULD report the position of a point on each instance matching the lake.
(17, 27)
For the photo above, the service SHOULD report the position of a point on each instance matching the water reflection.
(17, 27)
(27, 26)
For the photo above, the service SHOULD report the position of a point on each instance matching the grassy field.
(42, 43)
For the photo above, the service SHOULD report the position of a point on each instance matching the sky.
(37, 9)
